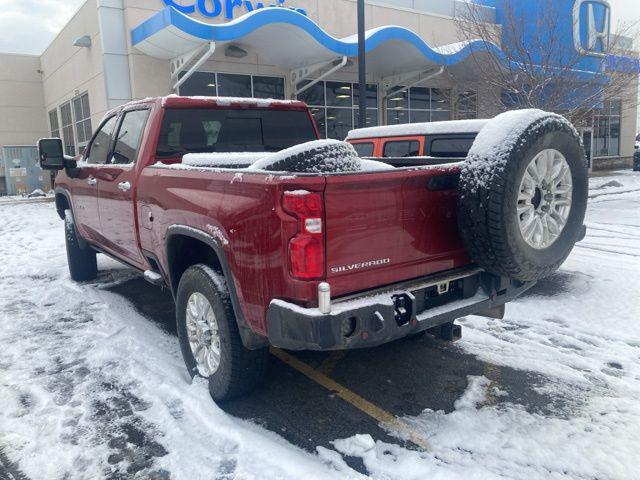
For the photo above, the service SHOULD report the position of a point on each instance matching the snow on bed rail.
(222, 159)
(425, 128)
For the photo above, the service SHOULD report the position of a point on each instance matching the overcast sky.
(27, 26)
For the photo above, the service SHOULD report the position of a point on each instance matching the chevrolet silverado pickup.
(266, 235)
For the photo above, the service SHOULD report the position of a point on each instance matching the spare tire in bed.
(318, 156)
(523, 194)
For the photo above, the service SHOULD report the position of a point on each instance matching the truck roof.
(201, 101)
(426, 128)
(177, 101)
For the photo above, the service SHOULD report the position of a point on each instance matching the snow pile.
(578, 334)
(318, 156)
(91, 389)
(222, 159)
(496, 140)
(425, 128)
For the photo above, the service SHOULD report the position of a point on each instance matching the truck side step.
(154, 277)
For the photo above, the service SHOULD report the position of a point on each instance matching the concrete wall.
(70, 70)
(22, 111)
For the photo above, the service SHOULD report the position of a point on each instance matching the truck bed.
(376, 226)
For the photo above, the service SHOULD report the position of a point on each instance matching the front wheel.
(82, 260)
(209, 337)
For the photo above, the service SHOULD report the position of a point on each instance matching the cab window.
(129, 136)
(363, 149)
(99, 149)
(401, 148)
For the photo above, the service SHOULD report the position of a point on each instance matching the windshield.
(228, 130)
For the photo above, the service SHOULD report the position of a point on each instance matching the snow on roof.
(226, 101)
(426, 128)
(454, 48)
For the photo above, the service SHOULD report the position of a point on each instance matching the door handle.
(124, 186)
(92, 181)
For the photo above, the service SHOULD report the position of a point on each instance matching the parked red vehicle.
(267, 236)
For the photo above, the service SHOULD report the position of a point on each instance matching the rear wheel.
(209, 337)
(81, 258)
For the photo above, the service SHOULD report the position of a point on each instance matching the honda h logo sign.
(591, 26)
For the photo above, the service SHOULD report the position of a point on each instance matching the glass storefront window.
(54, 124)
(606, 131)
(371, 94)
(339, 122)
(467, 105)
(268, 87)
(372, 117)
(210, 84)
(339, 94)
(418, 104)
(420, 98)
(334, 105)
(67, 129)
(200, 84)
(398, 100)
(233, 85)
(440, 99)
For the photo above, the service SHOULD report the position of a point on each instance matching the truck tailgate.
(387, 227)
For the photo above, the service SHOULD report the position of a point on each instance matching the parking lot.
(93, 386)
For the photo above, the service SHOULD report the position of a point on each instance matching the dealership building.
(113, 51)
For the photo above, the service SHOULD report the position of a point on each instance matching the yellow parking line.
(352, 398)
(329, 363)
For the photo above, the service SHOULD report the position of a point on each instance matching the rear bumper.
(374, 318)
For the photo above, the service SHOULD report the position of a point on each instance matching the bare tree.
(537, 69)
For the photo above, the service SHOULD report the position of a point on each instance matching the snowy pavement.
(91, 388)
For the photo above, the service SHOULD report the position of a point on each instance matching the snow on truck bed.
(339, 155)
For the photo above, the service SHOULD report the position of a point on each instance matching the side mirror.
(51, 154)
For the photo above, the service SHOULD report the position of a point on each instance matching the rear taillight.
(306, 248)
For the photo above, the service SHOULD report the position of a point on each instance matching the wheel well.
(184, 251)
(62, 204)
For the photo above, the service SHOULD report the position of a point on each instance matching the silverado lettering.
(356, 266)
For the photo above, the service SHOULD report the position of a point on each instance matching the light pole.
(362, 69)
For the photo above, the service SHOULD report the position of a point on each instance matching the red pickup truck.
(266, 235)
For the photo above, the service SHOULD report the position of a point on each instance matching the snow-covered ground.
(90, 389)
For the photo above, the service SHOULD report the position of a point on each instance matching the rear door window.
(226, 130)
(363, 149)
(401, 148)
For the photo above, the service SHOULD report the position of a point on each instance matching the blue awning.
(290, 40)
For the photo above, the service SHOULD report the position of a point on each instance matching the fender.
(250, 339)
(65, 193)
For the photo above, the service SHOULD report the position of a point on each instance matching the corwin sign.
(214, 8)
